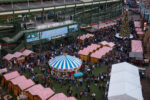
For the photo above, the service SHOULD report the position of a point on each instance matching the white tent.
(124, 83)
(124, 67)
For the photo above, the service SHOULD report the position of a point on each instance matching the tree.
(125, 29)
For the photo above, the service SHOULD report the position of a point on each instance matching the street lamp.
(0, 50)
(28, 3)
(12, 4)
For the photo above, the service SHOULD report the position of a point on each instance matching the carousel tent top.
(65, 62)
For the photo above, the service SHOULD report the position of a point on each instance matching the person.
(81, 93)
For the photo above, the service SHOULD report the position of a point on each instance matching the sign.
(73, 28)
(32, 37)
(54, 33)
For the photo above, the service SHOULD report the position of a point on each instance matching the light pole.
(0, 51)
(28, 3)
(12, 4)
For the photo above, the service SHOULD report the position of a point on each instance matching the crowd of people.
(71, 46)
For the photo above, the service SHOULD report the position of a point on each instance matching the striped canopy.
(65, 62)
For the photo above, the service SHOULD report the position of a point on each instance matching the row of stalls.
(26, 89)
(94, 52)
(125, 82)
(19, 57)
(138, 28)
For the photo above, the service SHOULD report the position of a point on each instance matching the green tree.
(125, 29)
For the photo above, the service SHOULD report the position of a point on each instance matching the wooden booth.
(7, 77)
(21, 87)
(12, 83)
(59, 96)
(33, 91)
(44, 94)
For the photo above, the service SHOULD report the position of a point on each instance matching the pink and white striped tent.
(89, 49)
(18, 79)
(11, 75)
(27, 52)
(59, 96)
(101, 52)
(136, 49)
(35, 89)
(8, 57)
(26, 84)
(137, 23)
(45, 93)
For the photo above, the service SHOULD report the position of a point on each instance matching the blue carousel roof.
(65, 62)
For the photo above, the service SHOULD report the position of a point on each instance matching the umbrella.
(78, 74)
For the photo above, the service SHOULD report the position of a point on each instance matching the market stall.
(85, 36)
(8, 76)
(8, 58)
(94, 58)
(85, 53)
(19, 57)
(44, 94)
(59, 96)
(12, 83)
(33, 91)
(27, 52)
(64, 64)
(20, 87)
(140, 33)
(136, 50)
(107, 44)
(137, 24)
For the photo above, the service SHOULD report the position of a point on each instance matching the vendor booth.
(65, 65)
(136, 50)
(7, 77)
(19, 57)
(33, 91)
(85, 36)
(59, 96)
(137, 24)
(21, 87)
(99, 54)
(12, 83)
(86, 52)
(44, 94)
(107, 44)
(140, 33)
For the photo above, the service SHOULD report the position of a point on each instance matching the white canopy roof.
(124, 83)
(124, 67)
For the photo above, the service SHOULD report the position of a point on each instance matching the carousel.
(65, 65)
